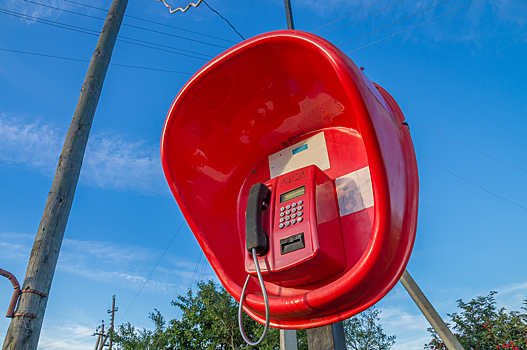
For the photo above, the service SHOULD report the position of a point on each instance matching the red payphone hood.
(263, 95)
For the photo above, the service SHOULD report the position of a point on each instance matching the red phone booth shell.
(323, 255)
(257, 98)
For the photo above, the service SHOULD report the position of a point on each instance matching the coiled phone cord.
(240, 308)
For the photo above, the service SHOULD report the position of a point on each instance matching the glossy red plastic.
(259, 97)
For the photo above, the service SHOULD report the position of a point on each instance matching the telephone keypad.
(291, 214)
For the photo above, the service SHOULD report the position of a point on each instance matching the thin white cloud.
(111, 161)
(110, 263)
(66, 335)
(35, 10)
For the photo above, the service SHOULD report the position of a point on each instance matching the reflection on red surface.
(257, 98)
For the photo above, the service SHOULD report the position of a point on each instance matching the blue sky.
(461, 76)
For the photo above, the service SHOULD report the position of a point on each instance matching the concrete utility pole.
(429, 312)
(288, 339)
(330, 337)
(24, 331)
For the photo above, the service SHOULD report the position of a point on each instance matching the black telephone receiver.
(255, 236)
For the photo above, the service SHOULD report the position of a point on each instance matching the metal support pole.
(24, 331)
(288, 340)
(289, 14)
(329, 337)
(429, 312)
(16, 292)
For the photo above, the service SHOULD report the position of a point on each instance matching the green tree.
(362, 332)
(209, 321)
(482, 326)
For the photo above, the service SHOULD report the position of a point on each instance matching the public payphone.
(282, 145)
(301, 224)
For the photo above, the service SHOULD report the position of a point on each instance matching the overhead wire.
(150, 21)
(97, 33)
(225, 19)
(126, 24)
(467, 146)
(150, 275)
(67, 346)
(420, 24)
(359, 19)
(474, 183)
(389, 25)
(349, 14)
(68, 337)
(154, 22)
(83, 60)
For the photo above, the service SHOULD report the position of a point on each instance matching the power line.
(96, 33)
(349, 14)
(225, 19)
(430, 20)
(82, 60)
(371, 14)
(154, 22)
(69, 346)
(150, 275)
(125, 24)
(389, 25)
(470, 147)
(56, 341)
(474, 183)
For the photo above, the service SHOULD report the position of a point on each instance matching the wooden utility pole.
(101, 338)
(24, 331)
(112, 312)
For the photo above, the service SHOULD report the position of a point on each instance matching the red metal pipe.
(16, 292)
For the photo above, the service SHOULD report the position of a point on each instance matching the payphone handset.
(293, 223)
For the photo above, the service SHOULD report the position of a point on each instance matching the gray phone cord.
(240, 309)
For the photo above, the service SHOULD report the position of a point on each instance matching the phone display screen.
(297, 192)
